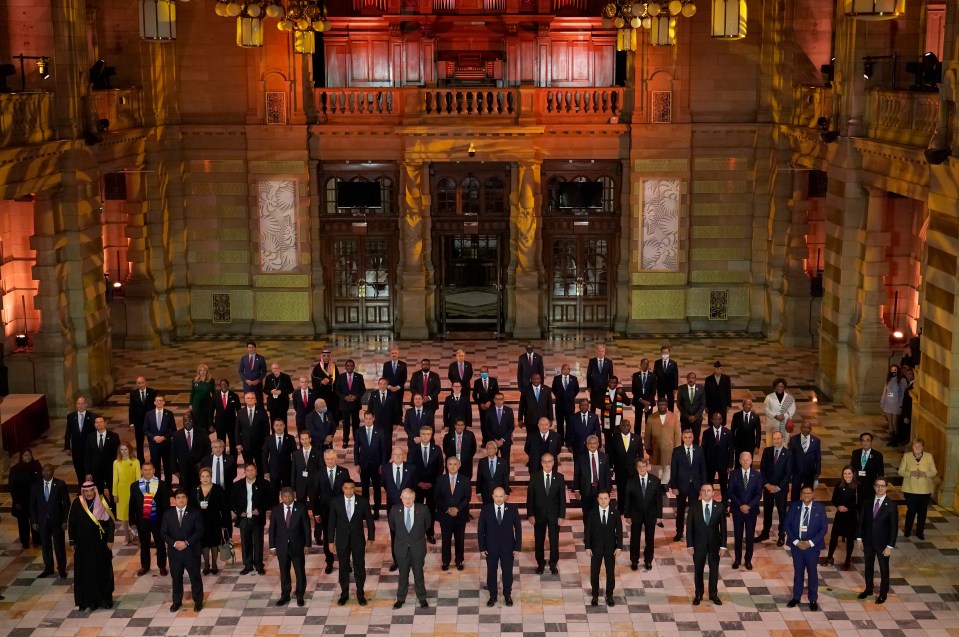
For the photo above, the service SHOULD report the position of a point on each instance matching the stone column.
(783, 192)
(798, 306)
(320, 323)
(525, 276)
(73, 108)
(414, 294)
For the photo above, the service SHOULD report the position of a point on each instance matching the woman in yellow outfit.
(126, 471)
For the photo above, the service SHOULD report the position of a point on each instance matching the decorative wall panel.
(660, 238)
(276, 204)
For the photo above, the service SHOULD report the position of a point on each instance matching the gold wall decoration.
(276, 204)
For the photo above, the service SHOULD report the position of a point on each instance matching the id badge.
(306, 474)
(862, 474)
(803, 528)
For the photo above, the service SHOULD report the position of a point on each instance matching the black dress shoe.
(175, 606)
(445, 567)
(697, 599)
(376, 516)
(142, 572)
(749, 566)
(215, 571)
(283, 601)
(459, 566)
(647, 567)
(634, 566)
(553, 570)
(813, 606)
(906, 534)
(781, 541)
(63, 575)
(793, 603)
(300, 602)
(44, 574)
(507, 600)
(198, 607)
(921, 536)
(735, 565)
(678, 537)
(361, 598)
(163, 571)
(540, 569)
(393, 567)
(424, 604)
(661, 525)
(594, 601)
(865, 594)
(397, 605)
(610, 601)
(881, 599)
(328, 569)
(261, 571)
(246, 569)
(715, 599)
(762, 537)
(830, 561)
(491, 602)
(342, 600)
(206, 570)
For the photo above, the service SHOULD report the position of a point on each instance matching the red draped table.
(23, 418)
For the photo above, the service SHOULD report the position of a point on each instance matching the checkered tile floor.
(924, 596)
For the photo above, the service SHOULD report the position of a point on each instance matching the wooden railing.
(413, 105)
(26, 118)
(902, 117)
(122, 108)
(585, 8)
(811, 103)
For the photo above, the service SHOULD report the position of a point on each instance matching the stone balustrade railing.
(26, 118)
(121, 108)
(902, 117)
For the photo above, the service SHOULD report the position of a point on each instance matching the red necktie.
(305, 403)
(189, 439)
(251, 362)
(349, 381)
(287, 517)
(595, 471)
(461, 371)
(224, 400)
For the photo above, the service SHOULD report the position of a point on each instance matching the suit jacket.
(166, 427)
(281, 404)
(646, 505)
(807, 465)
(695, 407)
(326, 392)
(624, 458)
(430, 390)
(139, 408)
(370, 451)
(188, 458)
(481, 395)
(644, 391)
(302, 409)
(344, 390)
(603, 539)
(746, 431)
(546, 506)
(535, 447)
(305, 486)
(500, 428)
(431, 471)
(385, 413)
(686, 477)
(53, 511)
(347, 532)
(161, 496)
(456, 409)
(294, 538)
(99, 463)
(719, 453)
(393, 490)
(816, 530)
(578, 433)
(229, 470)
(412, 424)
(397, 379)
(777, 472)
(256, 371)
(454, 374)
(598, 381)
(74, 439)
(585, 483)
(878, 531)
(320, 427)
(190, 530)
(410, 544)
(263, 499)
(251, 434)
(874, 468)
(486, 482)
(499, 538)
(458, 498)
(326, 492)
(702, 537)
(740, 494)
(613, 411)
(531, 409)
(278, 461)
(467, 451)
(525, 370)
(224, 417)
(667, 377)
(565, 398)
(719, 395)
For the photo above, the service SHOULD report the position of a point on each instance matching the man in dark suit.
(461, 444)
(321, 424)
(745, 490)
(344, 535)
(457, 406)
(427, 459)
(182, 530)
(625, 448)
(397, 476)
(535, 402)
(484, 389)
(691, 400)
(687, 473)
(278, 386)
(806, 451)
(453, 512)
(878, 528)
(159, 426)
(386, 412)
(545, 507)
(543, 441)
(806, 534)
(565, 388)
(746, 430)
(303, 401)
(644, 392)
(583, 425)
(395, 373)
(290, 537)
(528, 364)
(222, 466)
(500, 536)
(776, 469)
(252, 428)
(598, 372)
(141, 401)
(252, 369)
(306, 470)
(643, 509)
(594, 476)
(251, 497)
(189, 448)
(868, 465)
(149, 500)
(99, 456)
(667, 377)
(49, 506)
(226, 404)
(706, 536)
(324, 379)
(278, 457)
(370, 453)
(426, 383)
(408, 524)
(330, 481)
(491, 472)
(718, 450)
(349, 388)
(79, 426)
(416, 417)
(603, 538)
(500, 424)
(719, 392)
(461, 370)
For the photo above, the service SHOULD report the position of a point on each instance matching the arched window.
(446, 196)
(331, 195)
(471, 196)
(494, 195)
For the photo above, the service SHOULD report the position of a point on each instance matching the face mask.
(484, 375)
(323, 410)
(665, 357)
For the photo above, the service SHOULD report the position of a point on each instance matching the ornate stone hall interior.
(773, 184)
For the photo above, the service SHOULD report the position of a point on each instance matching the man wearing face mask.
(484, 389)
(667, 377)
(320, 424)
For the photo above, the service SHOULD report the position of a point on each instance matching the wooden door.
(362, 291)
(579, 282)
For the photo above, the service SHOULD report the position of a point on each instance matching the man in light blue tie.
(408, 522)
(805, 535)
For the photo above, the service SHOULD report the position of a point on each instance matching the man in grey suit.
(409, 522)
(691, 401)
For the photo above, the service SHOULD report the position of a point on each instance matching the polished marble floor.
(925, 575)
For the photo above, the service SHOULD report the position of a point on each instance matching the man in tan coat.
(662, 435)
